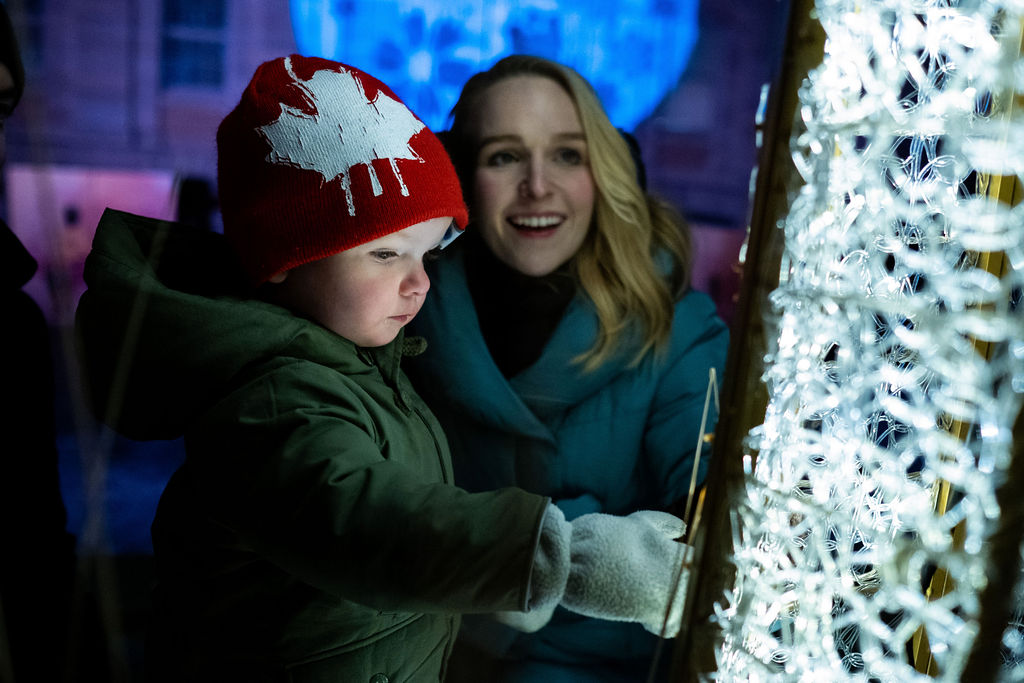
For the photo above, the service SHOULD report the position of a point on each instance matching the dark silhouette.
(37, 569)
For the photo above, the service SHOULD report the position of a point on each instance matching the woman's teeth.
(535, 222)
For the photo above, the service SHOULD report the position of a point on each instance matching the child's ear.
(278, 278)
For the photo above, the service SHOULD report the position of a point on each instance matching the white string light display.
(897, 365)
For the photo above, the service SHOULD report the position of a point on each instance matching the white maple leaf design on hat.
(346, 129)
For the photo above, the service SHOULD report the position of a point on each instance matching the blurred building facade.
(121, 108)
(135, 84)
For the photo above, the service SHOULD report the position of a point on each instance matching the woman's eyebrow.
(492, 139)
(559, 137)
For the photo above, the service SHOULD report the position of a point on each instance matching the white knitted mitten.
(624, 568)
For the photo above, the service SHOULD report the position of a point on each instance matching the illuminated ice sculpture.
(897, 368)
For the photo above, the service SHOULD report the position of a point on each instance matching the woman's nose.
(535, 183)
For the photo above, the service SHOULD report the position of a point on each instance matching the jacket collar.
(522, 403)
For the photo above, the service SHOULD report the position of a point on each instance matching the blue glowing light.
(632, 51)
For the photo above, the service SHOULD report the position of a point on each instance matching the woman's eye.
(383, 254)
(569, 156)
(502, 158)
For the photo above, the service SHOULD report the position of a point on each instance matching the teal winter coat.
(313, 533)
(615, 440)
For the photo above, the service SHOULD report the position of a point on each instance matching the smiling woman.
(582, 355)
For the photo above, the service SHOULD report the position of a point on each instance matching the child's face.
(369, 292)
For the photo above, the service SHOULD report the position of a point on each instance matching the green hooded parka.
(313, 532)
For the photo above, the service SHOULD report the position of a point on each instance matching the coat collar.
(475, 384)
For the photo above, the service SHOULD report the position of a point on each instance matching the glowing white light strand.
(880, 298)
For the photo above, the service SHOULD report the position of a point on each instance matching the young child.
(313, 533)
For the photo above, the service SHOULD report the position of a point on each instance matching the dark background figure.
(37, 565)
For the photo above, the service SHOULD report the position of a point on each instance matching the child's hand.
(624, 568)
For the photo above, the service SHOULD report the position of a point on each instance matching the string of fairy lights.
(897, 368)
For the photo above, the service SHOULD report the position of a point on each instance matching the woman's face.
(533, 193)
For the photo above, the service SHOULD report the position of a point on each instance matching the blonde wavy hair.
(618, 265)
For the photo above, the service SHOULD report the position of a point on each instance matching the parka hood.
(165, 327)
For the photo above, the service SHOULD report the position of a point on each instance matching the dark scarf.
(517, 313)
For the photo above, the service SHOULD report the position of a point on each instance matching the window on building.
(192, 46)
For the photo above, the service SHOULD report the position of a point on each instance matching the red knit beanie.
(319, 157)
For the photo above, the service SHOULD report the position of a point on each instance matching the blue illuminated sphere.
(632, 51)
